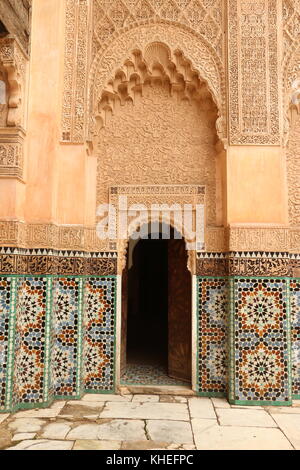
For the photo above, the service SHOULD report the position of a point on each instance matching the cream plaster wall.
(256, 185)
(55, 174)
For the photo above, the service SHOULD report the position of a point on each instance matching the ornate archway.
(172, 264)
(162, 44)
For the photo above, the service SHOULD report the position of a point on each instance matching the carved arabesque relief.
(203, 16)
(19, 234)
(290, 59)
(291, 92)
(119, 27)
(253, 55)
(156, 64)
(291, 28)
(293, 171)
(161, 132)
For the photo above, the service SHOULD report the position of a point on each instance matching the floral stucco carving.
(253, 71)
(194, 28)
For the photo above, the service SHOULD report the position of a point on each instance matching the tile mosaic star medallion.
(260, 338)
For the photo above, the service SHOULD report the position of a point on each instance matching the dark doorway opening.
(147, 330)
(156, 317)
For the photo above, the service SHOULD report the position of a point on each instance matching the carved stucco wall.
(254, 102)
(291, 94)
(159, 140)
(99, 35)
(293, 167)
(194, 27)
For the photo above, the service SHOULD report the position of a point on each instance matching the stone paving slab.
(283, 410)
(3, 417)
(146, 445)
(172, 399)
(80, 411)
(20, 425)
(201, 407)
(220, 403)
(97, 404)
(144, 421)
(123, 430)
(51, 412)
(170, 431)
(42, 444)
(55, 431)
(83, 431)
(96, 445)
(93, 397)
(146, 411)
(146, 398)
(290, 425)
(210, 436)
(238, 417)
(24, 436)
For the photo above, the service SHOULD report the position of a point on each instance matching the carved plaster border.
(262, 52)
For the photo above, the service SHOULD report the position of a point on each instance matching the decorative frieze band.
(217, 239)
(51, 262)
(263, 238)
(248, 264)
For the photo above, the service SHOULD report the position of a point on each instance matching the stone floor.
(151, 374)
(133, 422)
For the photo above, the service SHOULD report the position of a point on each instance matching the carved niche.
(13, 62)
(99, 33)
(154, 123)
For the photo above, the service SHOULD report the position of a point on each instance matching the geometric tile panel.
(5, 299)
(260, 356)
(295, 333)
(30, 380)
(66, 336)
(99, 326)
(212, 335)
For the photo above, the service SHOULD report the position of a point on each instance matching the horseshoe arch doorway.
(156, 322)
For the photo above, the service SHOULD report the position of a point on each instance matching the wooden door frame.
(194, 346)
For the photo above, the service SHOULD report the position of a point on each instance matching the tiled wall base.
(212, 323)
(57, 338)
(42, 323)
(260, 369)
(295, 329)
